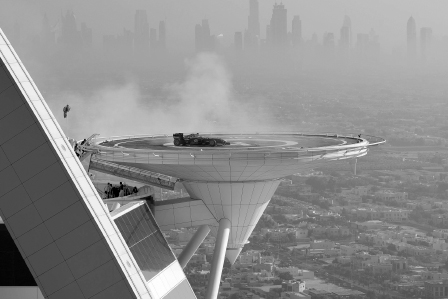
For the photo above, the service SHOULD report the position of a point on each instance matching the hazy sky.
(387, 17)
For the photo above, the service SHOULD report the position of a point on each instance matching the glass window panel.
(145, 240)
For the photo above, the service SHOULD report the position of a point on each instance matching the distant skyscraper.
(219, 40)
(198, 39)
(346, 32)
(86, 35)
(412, 37)
(203, 40)
(347, 22)
(120, 44)
(141, 32)
(162, 34)
(253, 19)
(268, 34)
(238, 41)
(205, 28)
(296, 31)
(425, 40)
(69, 32)
(252, 34)
(345, 37)
(279, 26)
(328, 40)
(368, 43)
(126, 40)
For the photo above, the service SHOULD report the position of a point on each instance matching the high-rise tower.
(296, 31)
(328, 40)
(198, 40)
(279, 26)
(346, 33)
(252, 34)
(141, 32)
(86, 35)
(205, 28)
(203, 40)
(412, 37)
(238, 41)
(69, 32)
(253, 19)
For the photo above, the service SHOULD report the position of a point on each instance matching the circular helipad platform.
(269, 142)
(248, 157)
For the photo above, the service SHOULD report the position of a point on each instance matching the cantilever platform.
(232, 184)
(249, 157)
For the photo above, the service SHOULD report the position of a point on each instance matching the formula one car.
(196, 139)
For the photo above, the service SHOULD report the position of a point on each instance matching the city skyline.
(144, 40)
(223, 149)
(181, 28)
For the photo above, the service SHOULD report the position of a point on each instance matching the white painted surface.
(48, 203)
(20, 293)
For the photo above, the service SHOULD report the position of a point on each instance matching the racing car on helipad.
(196, 139)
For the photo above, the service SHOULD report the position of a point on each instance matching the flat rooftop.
(237, 142)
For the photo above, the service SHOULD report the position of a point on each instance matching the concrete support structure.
(242, 203)
(218, 258)
(193, 245)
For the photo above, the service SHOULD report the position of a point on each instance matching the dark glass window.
(13, 269)
(145, 240)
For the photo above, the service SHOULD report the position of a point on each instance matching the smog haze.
(136, 67)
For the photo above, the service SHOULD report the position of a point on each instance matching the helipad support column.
(218, 258)
(242, 203)
(193, 245)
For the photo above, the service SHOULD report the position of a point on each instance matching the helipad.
(238, 142)
(249, 157)
(54, 212)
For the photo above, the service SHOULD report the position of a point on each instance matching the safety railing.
(358, 142)
(133, 173)
(227, 158)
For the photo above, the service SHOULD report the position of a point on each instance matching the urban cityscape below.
(325, 175)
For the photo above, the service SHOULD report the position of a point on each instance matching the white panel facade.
(48, 203)
(20, 293)
(242, 203)
(194, 213)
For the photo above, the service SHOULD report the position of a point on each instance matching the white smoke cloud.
(204, 102)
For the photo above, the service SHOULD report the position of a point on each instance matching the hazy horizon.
(387, 18)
